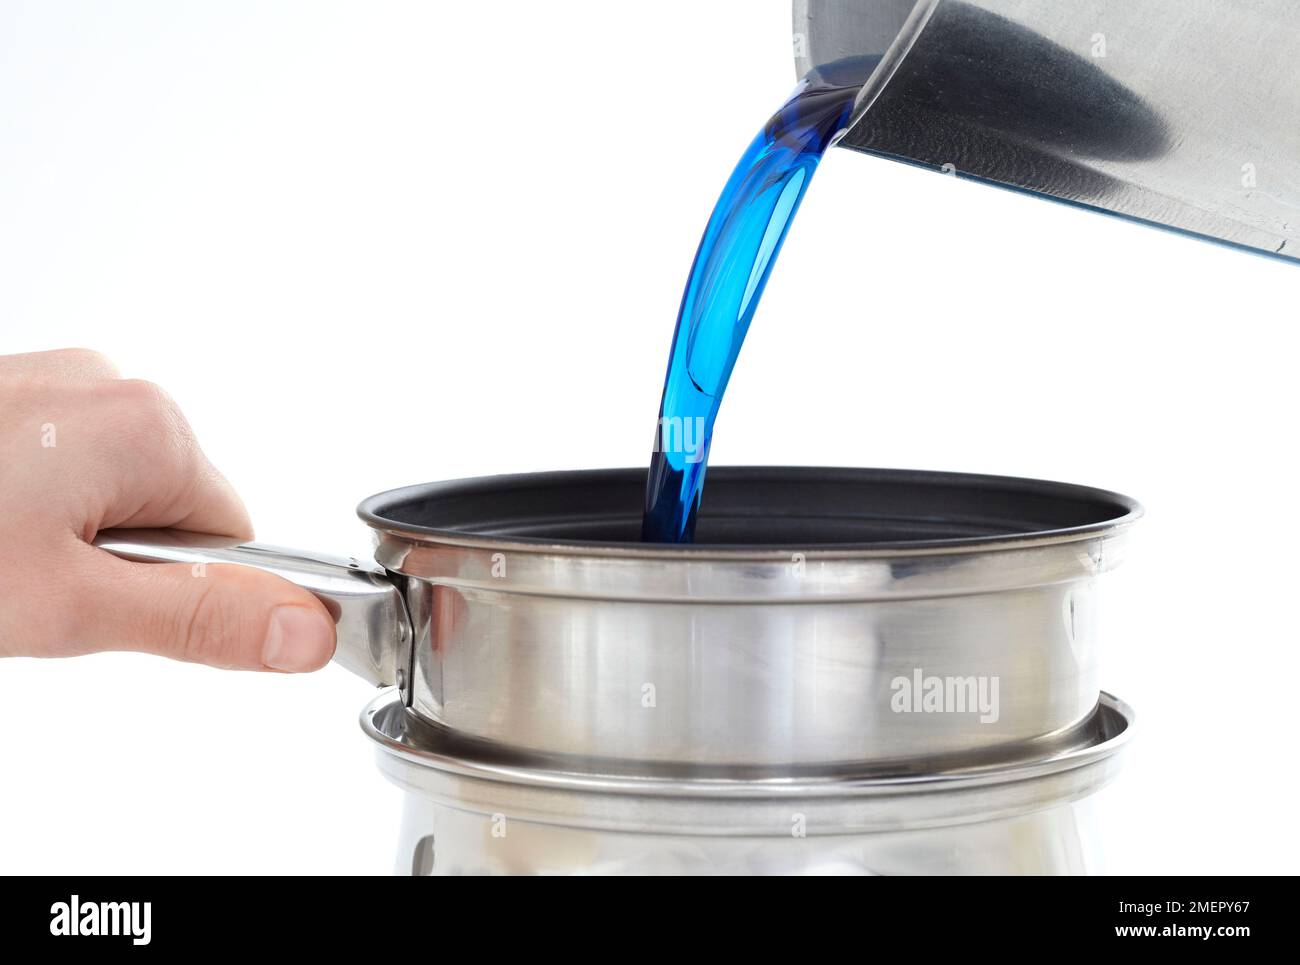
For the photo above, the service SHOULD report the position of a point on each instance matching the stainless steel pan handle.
(374, 630)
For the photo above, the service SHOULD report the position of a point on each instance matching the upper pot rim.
(378, 512)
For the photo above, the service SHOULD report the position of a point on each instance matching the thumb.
(222, 615)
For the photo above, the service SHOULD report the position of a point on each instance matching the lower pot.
(472, 807)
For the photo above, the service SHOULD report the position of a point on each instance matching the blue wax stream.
(736, 254)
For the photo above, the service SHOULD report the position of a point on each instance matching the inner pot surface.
(757, 507)
(804, 627)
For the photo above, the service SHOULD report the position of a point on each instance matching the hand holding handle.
(374, 630)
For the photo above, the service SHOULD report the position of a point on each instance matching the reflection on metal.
(422, 860)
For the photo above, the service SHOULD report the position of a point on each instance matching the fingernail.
(297, 640)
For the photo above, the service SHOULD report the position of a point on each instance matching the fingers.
(82, 450)
(159, 476)
(60, 365)
(228, 616)
(117, 452)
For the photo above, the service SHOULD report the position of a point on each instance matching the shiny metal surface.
(444, 839)
(734, 655)
(752, 655)
(374, 632)
(1183, 113)
(478, 809)
(756, 665)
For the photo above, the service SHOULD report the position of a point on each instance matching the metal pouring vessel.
(522, 612)
(1181, 113)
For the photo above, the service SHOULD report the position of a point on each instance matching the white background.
(366, 245)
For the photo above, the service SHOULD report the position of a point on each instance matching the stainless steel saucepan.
(806, 626)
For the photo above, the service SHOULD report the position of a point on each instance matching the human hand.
(83, 450)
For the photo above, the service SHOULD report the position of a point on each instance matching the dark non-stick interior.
(754, 506)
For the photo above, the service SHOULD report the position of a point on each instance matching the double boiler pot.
(852, 670)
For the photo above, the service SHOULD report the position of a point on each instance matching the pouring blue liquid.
(735, 257)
